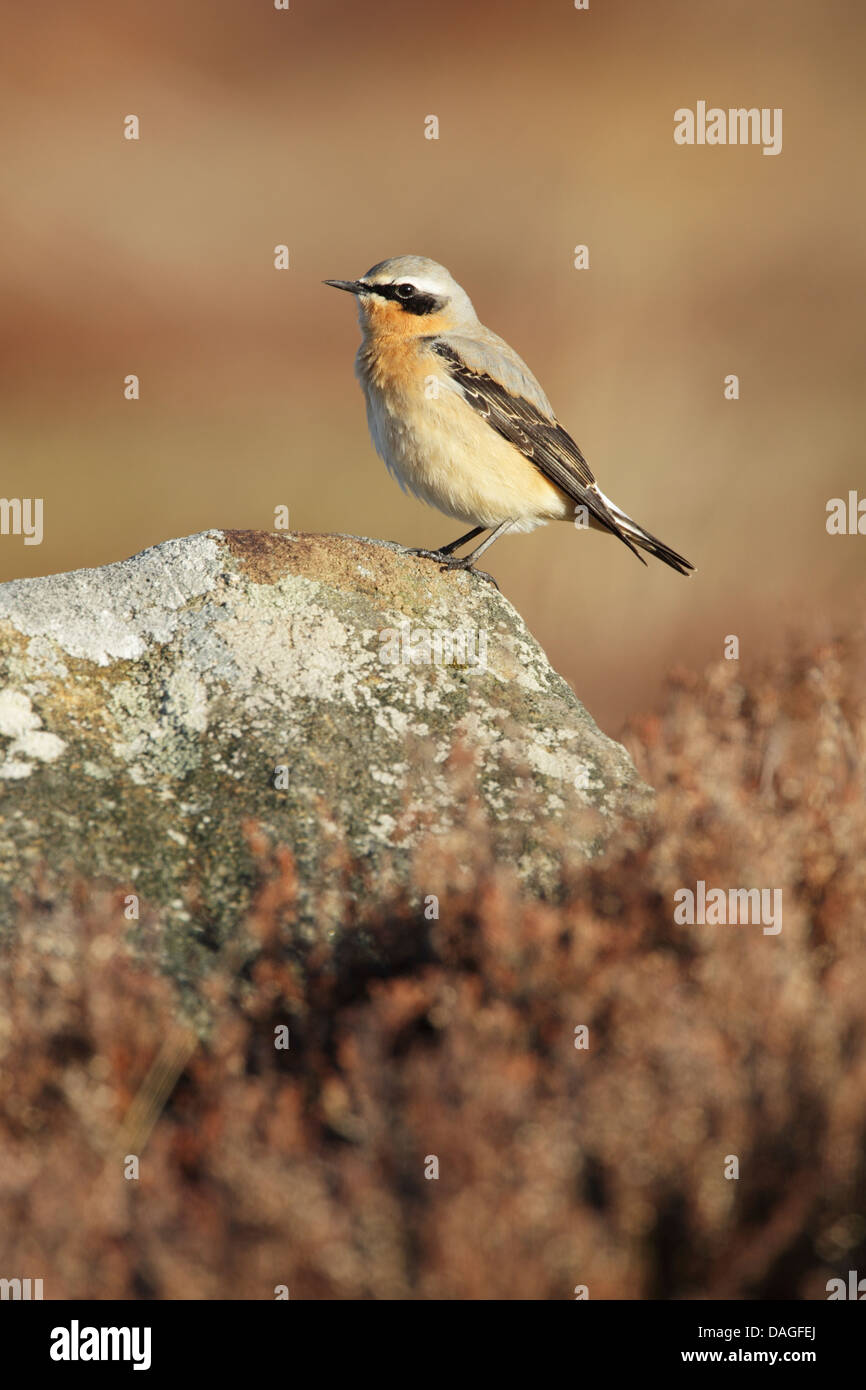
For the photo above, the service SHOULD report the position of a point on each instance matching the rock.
(316, 686)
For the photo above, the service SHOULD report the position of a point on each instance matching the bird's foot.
(451, 563)
(424, 554)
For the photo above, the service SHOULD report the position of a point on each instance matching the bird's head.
(410, 296)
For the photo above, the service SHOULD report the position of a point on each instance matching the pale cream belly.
(451, 458)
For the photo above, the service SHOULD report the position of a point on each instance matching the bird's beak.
(353, 286)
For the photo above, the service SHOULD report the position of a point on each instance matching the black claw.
(447, 562)
(424, 554)
(466, 564)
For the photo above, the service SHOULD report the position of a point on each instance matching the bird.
(461, 422)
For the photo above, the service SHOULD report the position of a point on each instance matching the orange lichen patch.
(343, 562)
(264, 556)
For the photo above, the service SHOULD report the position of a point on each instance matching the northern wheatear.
(461, 421)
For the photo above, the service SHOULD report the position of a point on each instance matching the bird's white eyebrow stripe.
(422, 286)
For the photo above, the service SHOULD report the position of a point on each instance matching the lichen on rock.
(318, 687)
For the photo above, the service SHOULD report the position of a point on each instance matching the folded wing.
(516, 407)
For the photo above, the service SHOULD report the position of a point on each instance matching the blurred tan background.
(556, 128)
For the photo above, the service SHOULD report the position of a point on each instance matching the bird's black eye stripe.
(413, 300)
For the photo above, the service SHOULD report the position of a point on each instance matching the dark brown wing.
(542, 441)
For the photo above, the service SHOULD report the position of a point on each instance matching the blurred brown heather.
(558, 1167)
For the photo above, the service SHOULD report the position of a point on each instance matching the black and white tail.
(633, 535)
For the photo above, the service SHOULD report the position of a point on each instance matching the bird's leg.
(467, 562)
(455, 545)
(449, 549)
